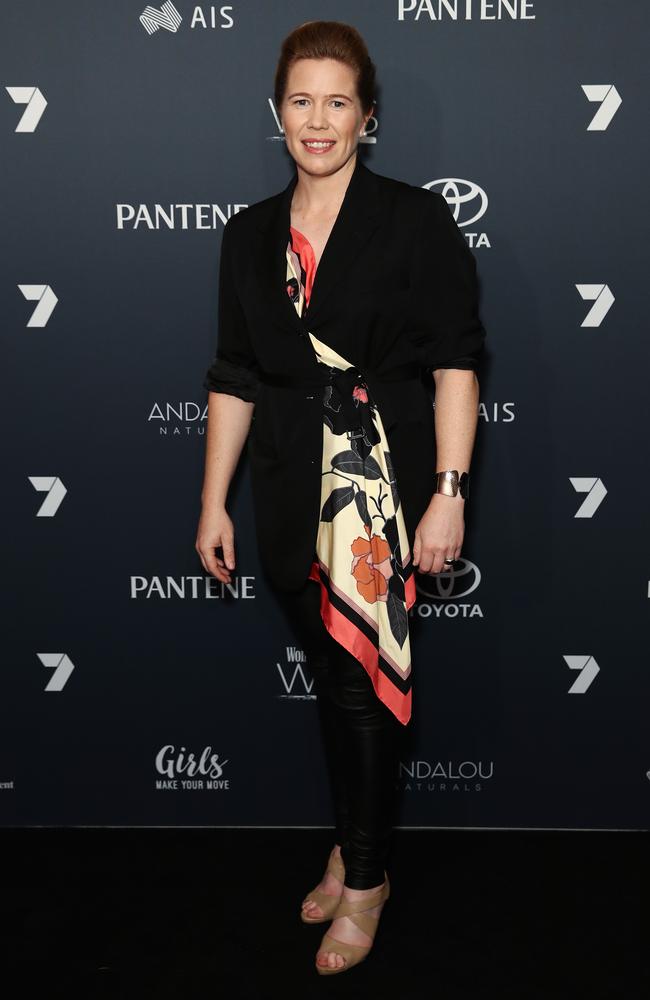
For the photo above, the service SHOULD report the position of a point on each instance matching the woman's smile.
(318, 146)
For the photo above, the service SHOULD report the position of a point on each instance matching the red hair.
(327, 40)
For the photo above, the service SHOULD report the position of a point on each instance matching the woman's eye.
(302, 100)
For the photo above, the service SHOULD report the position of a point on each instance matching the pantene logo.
(174, 217)
(466, 10)
(189, 588)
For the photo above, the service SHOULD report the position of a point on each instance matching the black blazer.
(396, 283)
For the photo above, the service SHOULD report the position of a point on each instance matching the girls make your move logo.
(182, 770)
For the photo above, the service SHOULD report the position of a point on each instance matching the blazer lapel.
(358, 218)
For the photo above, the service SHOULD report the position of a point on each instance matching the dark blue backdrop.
(135, 690)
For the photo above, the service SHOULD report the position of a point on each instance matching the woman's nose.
(318, 118)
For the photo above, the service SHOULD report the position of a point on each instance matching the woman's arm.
(441, 530)
(448, 335)
(232, 382)
(229, 420)
(456, 418)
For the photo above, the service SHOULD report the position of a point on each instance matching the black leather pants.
(362, 741)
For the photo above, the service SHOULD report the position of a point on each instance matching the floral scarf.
(362, 559)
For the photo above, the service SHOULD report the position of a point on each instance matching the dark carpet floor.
(215, 913)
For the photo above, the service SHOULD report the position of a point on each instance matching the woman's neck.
(319, 198)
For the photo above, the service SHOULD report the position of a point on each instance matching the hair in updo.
(327, 40)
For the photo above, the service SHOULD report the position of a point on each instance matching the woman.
(338, 297)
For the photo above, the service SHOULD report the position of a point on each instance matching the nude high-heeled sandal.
(355, 910)
(326, 902)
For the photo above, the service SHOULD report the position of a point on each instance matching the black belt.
(329, 374)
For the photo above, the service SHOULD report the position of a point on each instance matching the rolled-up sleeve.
(234, 369)
(444, 324)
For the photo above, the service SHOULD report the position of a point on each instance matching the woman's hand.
(216, 528)
(440, 533)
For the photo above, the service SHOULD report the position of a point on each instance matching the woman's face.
(321, 105)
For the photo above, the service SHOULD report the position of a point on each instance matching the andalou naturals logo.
(445, 776)
(184, 771)
(180, 419)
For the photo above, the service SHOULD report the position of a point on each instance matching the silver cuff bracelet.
(450, 483)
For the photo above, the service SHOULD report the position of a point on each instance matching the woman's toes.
(330, 959)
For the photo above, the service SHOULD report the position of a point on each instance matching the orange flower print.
(360, 393)
(371, 567)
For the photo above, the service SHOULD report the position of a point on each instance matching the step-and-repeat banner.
(136, 689)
